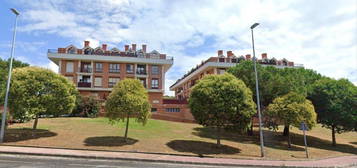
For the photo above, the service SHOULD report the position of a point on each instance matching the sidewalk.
(343, 161)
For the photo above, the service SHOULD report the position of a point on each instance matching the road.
(27, 161)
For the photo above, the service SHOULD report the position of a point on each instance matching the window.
(88, 51)
(98, 67)
(86, 67)
(221, 71)
(143, 81)
(172, 109)
(155, 70)
(234, 60)
(72, 50)
(70, 78)
(69, 67)
(98, 81)
(114, 68)
(141, 69)
(153, 110)
(154, 83)
(113, 81)
(129, 68)
(221, 59)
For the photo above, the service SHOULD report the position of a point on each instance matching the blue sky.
(319, 34)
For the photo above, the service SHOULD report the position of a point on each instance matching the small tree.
(36, 91)
(290, 110)
(128, 99)
(87, 106)
(336, 105)
(221, 101)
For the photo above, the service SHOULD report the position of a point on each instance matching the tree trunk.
(289, 139)
(250, 131)
(35, 123)
(126, 128)
(333, 136)
(286, 131)
(218, 136)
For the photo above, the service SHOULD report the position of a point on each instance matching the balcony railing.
(55, 51)
(86, 70)
(141, 72)
(84, 84)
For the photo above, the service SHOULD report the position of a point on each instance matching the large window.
(129, 68)
(98, 67)
(115, 68)
(141, 69)
(155, 70)
(143, 81)
(98, 81)
(69, 67)
(113, 81)
(154, 83)
(172, 109)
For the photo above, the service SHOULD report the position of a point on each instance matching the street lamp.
(3, 121)
(257, 90)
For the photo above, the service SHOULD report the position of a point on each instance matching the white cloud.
(320, 35)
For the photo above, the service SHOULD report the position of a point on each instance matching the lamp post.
(257, 91)
(3, 121)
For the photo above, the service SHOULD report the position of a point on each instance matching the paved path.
(344, 161)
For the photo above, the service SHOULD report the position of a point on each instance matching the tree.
(128, 99)
(290, 110)
(87, 106)
(36, 91)
(275, 82)
(221, 101)
(336, 105)
(4, 70)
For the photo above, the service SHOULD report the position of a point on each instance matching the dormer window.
(98, 51)
(71, 50)
(88, 51)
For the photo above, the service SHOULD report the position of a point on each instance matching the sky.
(320, 34)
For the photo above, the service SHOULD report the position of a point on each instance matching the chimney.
(133, 47)
(126, 47)
(248, 57)
(86, 43)
(220, 52)
(264, 56)
(229, 54)
(104, 47)
(144, 48)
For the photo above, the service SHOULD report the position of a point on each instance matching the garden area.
(159, 136)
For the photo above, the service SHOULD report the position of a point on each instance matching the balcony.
(84, 84)
(86, 70)
(141, 72)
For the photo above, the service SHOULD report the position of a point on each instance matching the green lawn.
(174, 137)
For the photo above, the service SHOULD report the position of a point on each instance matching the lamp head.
(254, 25)
(15, 11)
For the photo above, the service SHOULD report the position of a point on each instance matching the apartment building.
(218, 65)
(95, 71)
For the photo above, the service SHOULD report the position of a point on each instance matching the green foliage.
(275, 82)
(128, 98)
(36, 91)
(87, 106)
(292, 109)
(4, 65)
(335, 102)
(221, 101)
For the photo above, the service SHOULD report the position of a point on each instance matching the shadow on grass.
(109, 141)
(23, 134)
(353, 143)
(276, 140)
(200, 147)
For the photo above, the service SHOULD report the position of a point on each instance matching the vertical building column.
(163, 78)
(60, 66)
(92, 74)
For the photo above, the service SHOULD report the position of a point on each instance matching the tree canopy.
(128, 98)
(36, 91)
(291, 110)
(335, 102)
(221, 101)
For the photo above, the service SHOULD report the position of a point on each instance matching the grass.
(174, 137)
